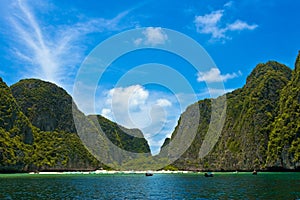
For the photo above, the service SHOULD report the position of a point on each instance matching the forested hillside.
(261, 129)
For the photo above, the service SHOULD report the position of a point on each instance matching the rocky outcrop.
(131, 140)
(38, 131)
(254, 114)
(261, 129)
(12, 119)
(284, 143)
(46, 105)
(16, 133)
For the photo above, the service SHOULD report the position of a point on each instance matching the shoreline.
(114, 172)
(104, 171)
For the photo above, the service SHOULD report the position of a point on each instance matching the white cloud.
(131, 97)
(212, 24)
(152, 36)
(163, 102)
(126, 105)
(228, 4)
(131, 106)
(138, 41)
(240, 25)
(214, 75)
(155, 36)
(208, 24)
(51, 52)
(136, 107)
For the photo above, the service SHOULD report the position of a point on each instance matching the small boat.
(254, 172)
(208, 174)
(149, 174)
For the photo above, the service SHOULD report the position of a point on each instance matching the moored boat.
(149, 174)
(208, 174)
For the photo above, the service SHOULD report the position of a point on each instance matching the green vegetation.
(16, 133)
(261, 129)
(60, 151)
(170, 168)
(37, 130)
(14, 153)
(46, 105)
(284, 143)
(12, 119)
(126, 147)
(124, 138)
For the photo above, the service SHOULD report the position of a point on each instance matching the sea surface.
(160, 186)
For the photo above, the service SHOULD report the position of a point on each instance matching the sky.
(149, 87)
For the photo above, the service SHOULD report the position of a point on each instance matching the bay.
(160, 186)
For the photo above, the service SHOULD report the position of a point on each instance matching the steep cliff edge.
(284, 143)
(16, 133)
(250, 118)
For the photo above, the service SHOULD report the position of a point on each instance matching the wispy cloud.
(52, 52)
(152, 36)
(228, 4)
(212, 24)
(239, 25)
(214, 75)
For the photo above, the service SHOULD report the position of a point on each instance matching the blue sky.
(51, 39)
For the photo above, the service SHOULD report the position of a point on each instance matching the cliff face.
(12, 119)
(16, 133)
(38, 131)
(48, 144)
(46, 105)
(131, 140)
(125, 146)
(261, 129)
(252, 113)
(284, 143)
(55, 146)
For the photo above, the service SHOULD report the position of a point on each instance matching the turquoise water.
(160, 186)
